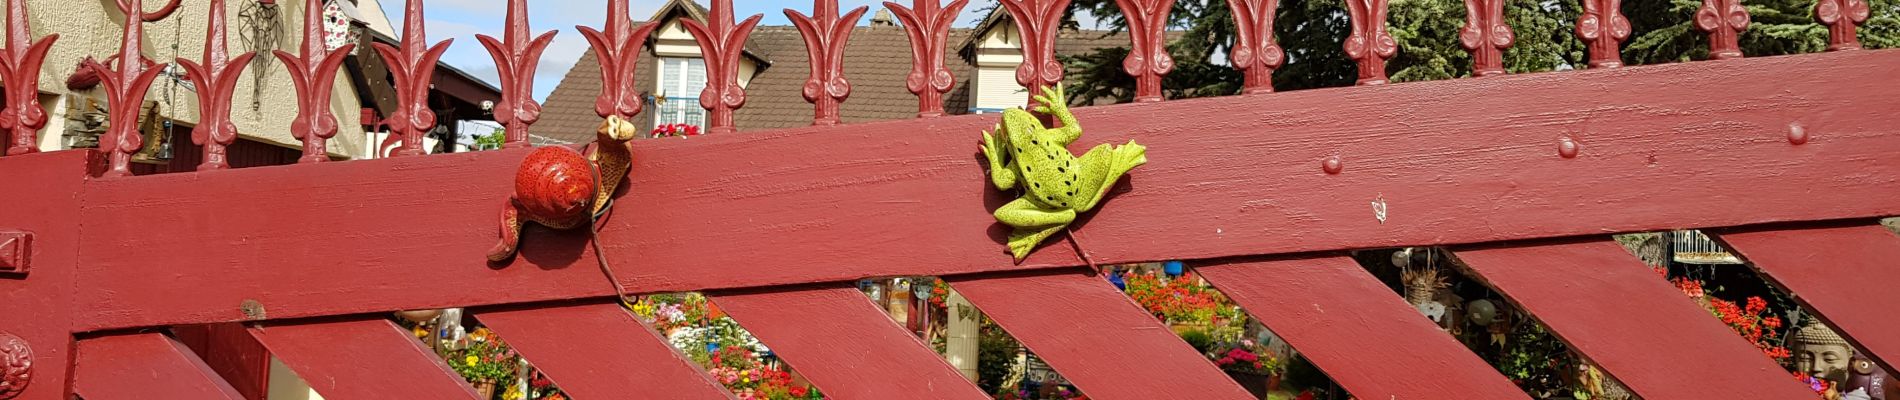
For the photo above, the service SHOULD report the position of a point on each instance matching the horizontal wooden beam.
(1702, 144)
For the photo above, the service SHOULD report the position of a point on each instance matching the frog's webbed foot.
(1002, 169)
(1106, 164)
(510, 234)
(1054, 101)
(1033, 224)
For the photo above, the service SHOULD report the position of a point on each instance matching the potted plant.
(484, 361)
(1252, 368)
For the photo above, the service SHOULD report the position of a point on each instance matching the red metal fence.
(1788, 159)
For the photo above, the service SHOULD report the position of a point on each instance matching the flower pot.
(485, 388)
(419, 316)
(1183, 328)
(1256, 384)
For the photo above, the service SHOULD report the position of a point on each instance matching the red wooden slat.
(1614, 310)
(907, 198)
(37, 307)
(1096, 336)
(1356, 329)
(599, 351)
(362, 359)
(841, 341)
(1846, 274)
(145, 366)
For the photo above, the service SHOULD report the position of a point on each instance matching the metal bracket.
(16, 252)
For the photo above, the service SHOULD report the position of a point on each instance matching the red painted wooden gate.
(1790, 160)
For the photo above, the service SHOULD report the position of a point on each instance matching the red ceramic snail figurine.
(560, 188)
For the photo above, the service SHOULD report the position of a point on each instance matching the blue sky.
(462, 19)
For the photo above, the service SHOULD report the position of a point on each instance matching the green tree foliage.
(1312, 33)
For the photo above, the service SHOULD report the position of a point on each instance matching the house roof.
(876, 62)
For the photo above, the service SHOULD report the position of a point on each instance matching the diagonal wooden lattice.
(775, 225)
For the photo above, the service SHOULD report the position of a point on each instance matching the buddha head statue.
(1821, 353)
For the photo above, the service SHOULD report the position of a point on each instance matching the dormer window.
(681, 80)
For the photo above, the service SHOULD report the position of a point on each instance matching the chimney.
(883, 18)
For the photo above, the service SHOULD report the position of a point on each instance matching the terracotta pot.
(418, 316)
(1256, 384)
(486, 388)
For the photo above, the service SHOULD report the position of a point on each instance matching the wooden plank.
(42, 197)
(846, 345)
(1614, 310)
(231, 352)
(1844, 273)
(1096, 336)
(1227, 177)
(145, 366)
(599, 351)
(362, 359)
(1356, 329)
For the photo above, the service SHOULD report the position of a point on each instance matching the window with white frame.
(681, 80)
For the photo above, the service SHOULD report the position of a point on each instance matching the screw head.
(1797, 134)
(1568, 148)
(1333, 165)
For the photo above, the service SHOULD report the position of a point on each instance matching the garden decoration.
(559, 188)
(1820, 352)
(1056, 184)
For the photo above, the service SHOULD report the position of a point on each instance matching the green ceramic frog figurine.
(1056, 184)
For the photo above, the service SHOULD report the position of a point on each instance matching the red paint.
(1370, 44)
(145, 366)
(1724, 21)
(1450, 173)
(362, 359)
(1486, 36)
(311, 74)
(1841, 18)
(1039, 21)
(38, 308)
(849, 347)
(599, 351)
(412, 68)
(555, 187)
(1614, 310)
(1834, 269)
(229, 350)
(928, 25)
(517, 56)
(216, 79)
(20, 62)
(1256, 52)
(1603, 26)
(722, 44)
(1095, 336)
(618, 50)
(825, 35)
(126, 85)
(1355, 328)
(1148, 60)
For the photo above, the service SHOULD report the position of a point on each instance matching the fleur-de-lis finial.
(20, 64)
(1842, 18)
(1148, 60)
(618, 51)
(311, 74)
(1256, 54)
(928, 24)
(1603, 26)
(825, 35)
(413, 70)
(217, 79)
(1486, 35)
(1039, 21)
(1724, 20)
(1370, 43)
(126, 87)
(516, 57)
(722, 44)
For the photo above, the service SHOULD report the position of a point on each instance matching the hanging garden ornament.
(1402, 258)
(1056, 185)
(1482, 312)
(336, 26)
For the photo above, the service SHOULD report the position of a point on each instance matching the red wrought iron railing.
(1788, 160)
